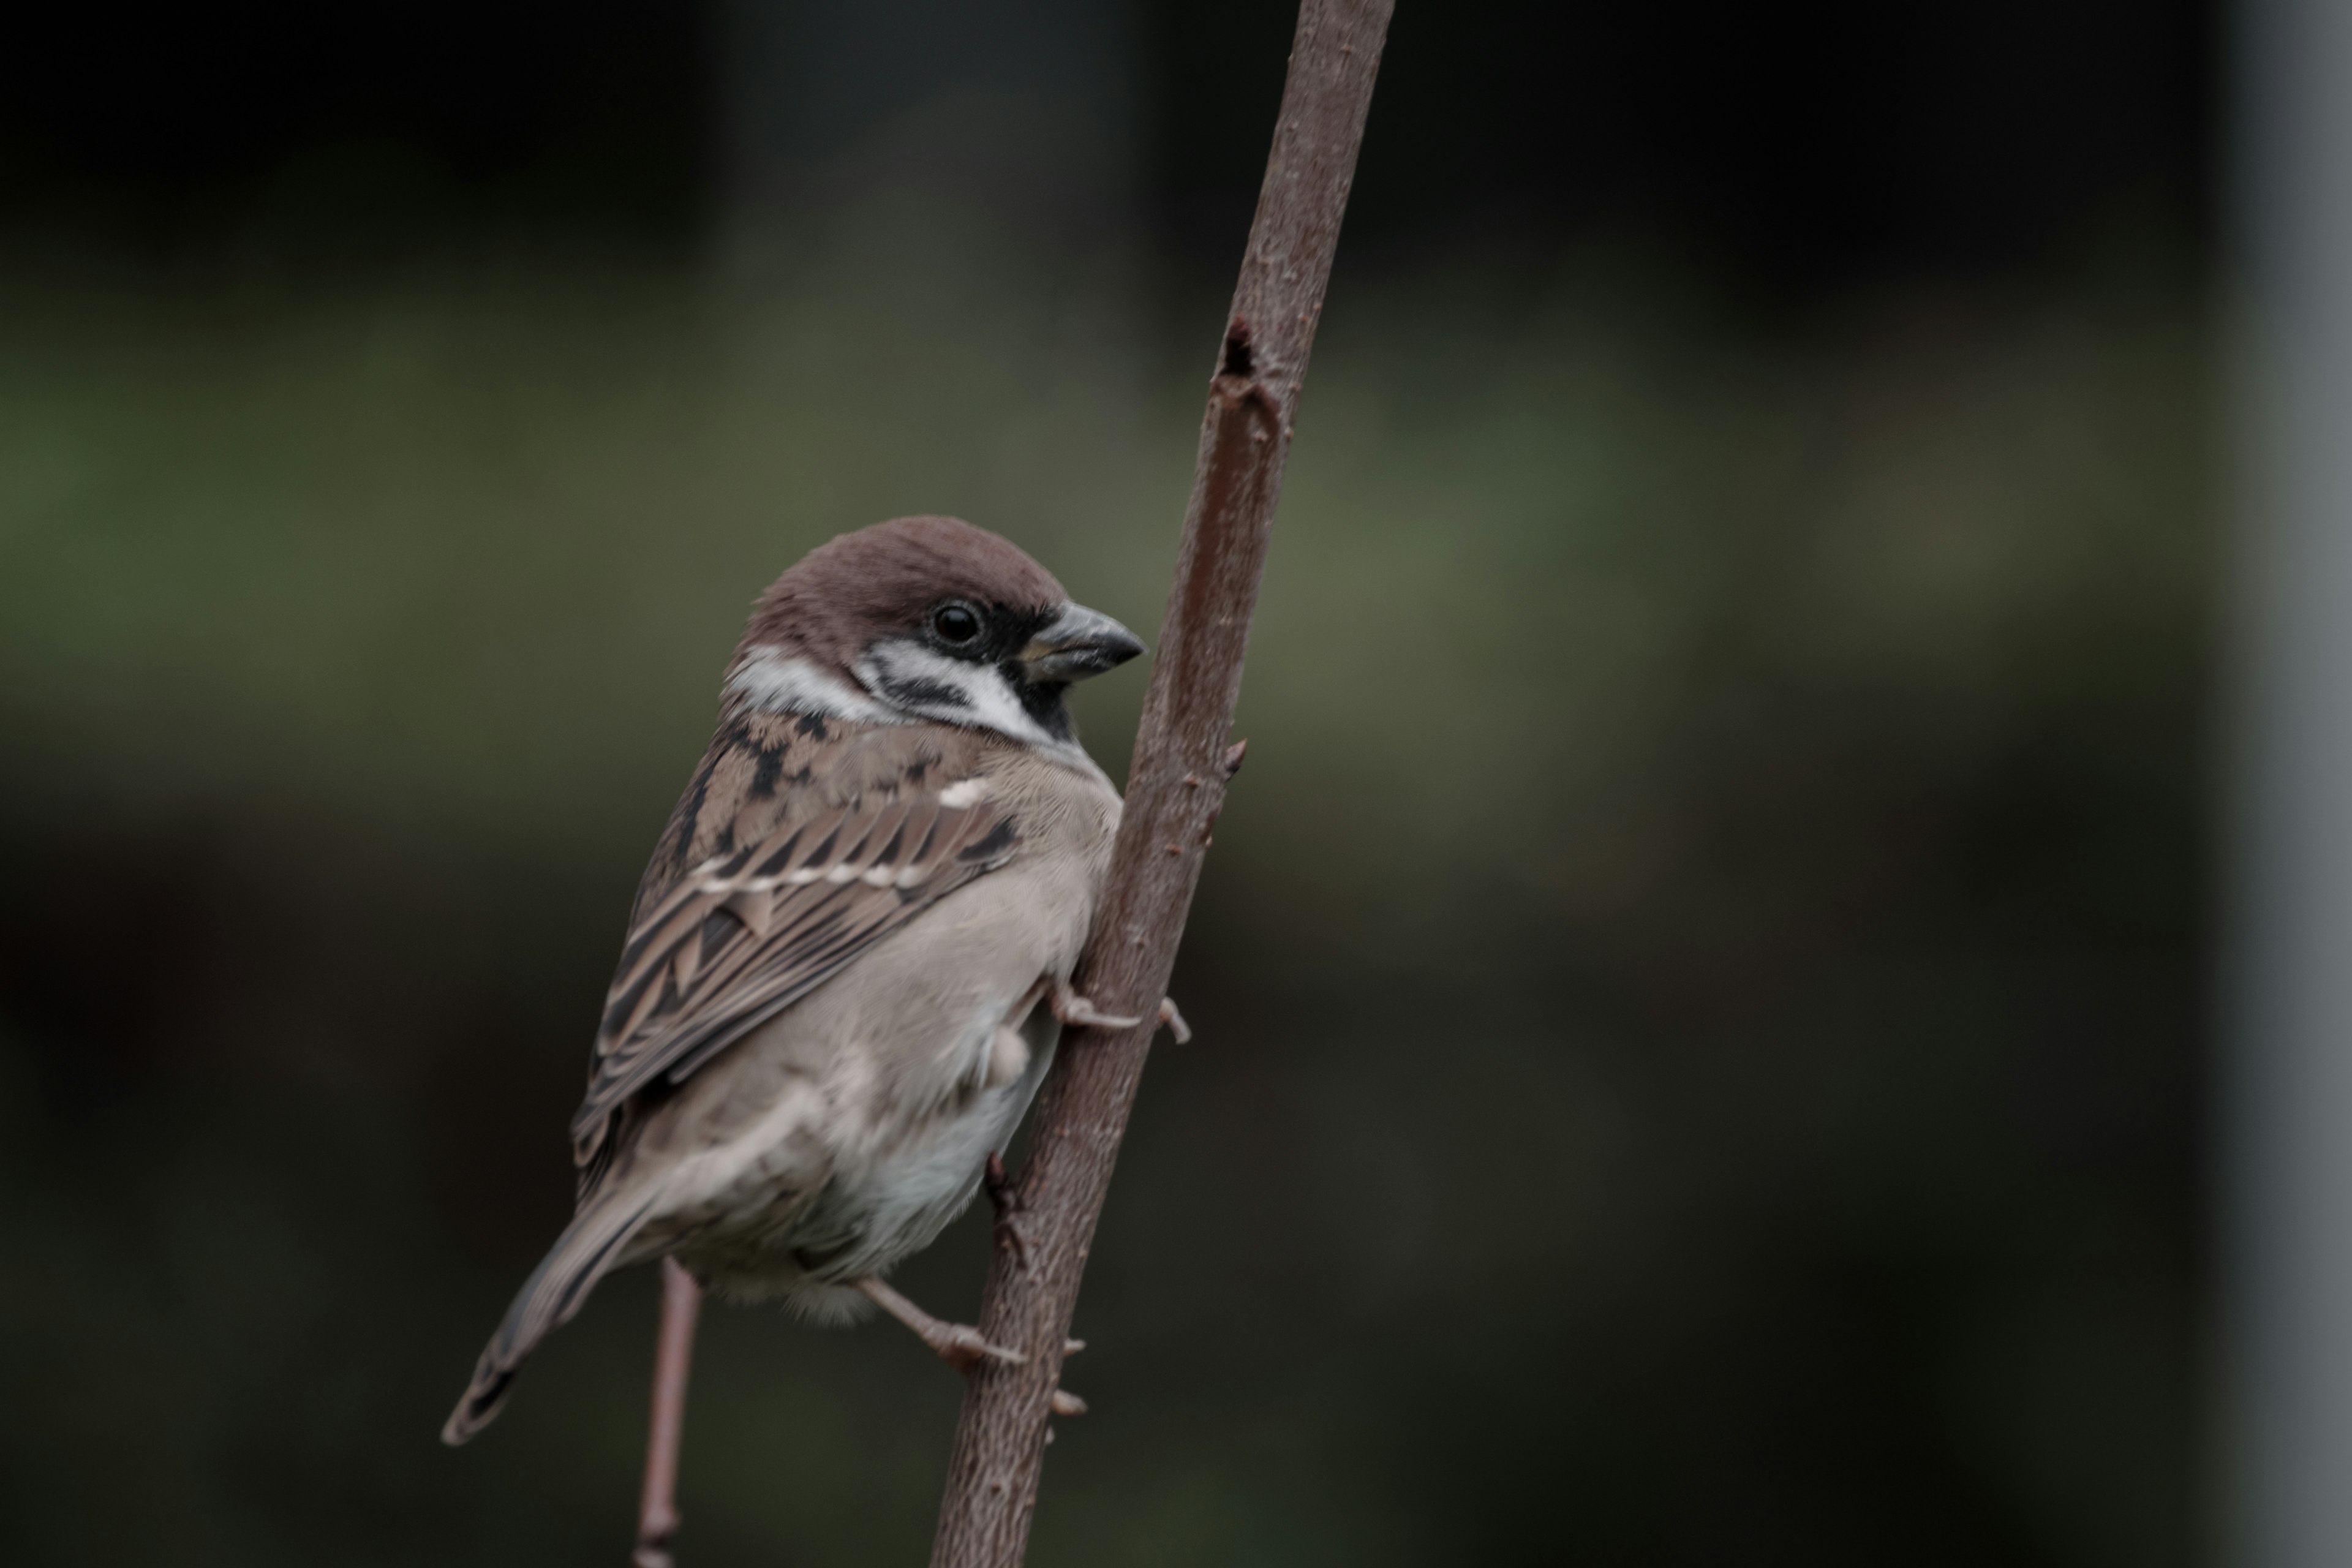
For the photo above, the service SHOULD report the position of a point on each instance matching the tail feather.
(586, 1251)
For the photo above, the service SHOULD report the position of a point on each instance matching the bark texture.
(1176, 784)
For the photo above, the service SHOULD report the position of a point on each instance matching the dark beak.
(1075, 643)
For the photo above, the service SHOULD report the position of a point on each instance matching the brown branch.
(657, 1516)
(1176, 784)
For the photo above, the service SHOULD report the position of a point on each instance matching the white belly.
(762, 1235)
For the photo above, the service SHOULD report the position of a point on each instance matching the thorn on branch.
(1233, 755)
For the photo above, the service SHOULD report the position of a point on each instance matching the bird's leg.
(657, 1516)
(957, 1344)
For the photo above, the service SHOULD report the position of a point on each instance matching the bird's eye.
(956, 624)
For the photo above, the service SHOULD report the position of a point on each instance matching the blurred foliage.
(1698, 987)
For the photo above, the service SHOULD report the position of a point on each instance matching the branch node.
(1237, 359)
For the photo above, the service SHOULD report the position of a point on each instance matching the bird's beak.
(1077, 643)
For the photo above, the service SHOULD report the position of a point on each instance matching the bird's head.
(925, 618)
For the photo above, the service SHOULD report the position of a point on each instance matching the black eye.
(956, 624)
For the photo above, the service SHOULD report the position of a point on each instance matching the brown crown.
(880, 580)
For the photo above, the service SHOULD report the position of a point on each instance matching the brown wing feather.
(798, 844)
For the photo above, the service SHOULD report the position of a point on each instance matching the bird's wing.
(799, 844)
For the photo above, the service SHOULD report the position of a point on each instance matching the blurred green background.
(1700, 987)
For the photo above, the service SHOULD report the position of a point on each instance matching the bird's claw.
(1076, 1012)
(957, 1344)
(961, 1346)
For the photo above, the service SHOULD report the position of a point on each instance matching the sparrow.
(849, 960)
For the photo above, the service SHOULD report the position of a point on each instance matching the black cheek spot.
(936, 693)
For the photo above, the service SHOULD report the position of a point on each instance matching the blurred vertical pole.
(2287, 1209)
(657, 1515)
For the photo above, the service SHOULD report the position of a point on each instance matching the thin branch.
(657, 1515)
(1176, 784)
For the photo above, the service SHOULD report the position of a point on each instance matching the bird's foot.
(957, 1344)
(1077, 1011)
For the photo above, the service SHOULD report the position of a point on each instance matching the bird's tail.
(586, 1251)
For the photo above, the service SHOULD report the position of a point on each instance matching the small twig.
(657, 1516)
(1176, 783)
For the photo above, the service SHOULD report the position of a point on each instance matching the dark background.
(1798, 150)
(1700, 989)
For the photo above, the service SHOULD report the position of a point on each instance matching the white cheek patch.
(914, 679)
(772, 681)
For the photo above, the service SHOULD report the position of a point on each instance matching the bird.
(849, 960)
